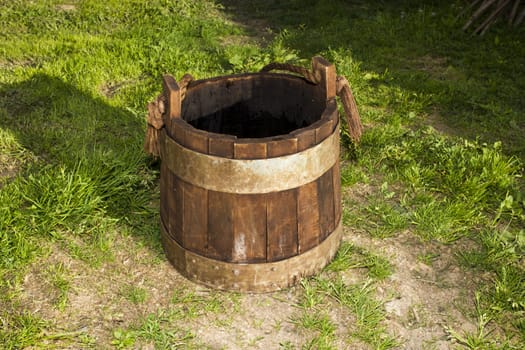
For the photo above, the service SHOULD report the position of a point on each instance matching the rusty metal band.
(257, 277)
(252, 175)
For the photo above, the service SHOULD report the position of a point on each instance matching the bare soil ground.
(421, 301)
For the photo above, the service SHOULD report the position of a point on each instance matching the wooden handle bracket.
(325, 71)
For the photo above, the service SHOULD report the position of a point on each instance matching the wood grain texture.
(281, 147)
(220, 225)
(176, 203)
(308, 217)
(165, 193)
(249, 149)
(305, 138)
(249, 229)
(281, 225)
(325, 198)
(196, 140)
(171, 91)
(178, 131)
(331, 113)
(324, 130)
(256, 277)
(195, 220)
(173, 250)
(221, 145)
(336, 172)
(328, 75)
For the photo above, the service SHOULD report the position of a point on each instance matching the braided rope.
(183, 85)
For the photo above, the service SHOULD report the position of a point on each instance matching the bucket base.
(251, 277)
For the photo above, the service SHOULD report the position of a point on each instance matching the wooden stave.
(252, 277)
(212, 230)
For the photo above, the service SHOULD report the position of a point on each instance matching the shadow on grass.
(90, 173)
(470, 86)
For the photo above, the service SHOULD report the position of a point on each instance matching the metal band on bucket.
(252, 175)
(253, 277)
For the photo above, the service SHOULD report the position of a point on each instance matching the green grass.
(134, 294)
(356, 299)
(368, 311)
(24, 330)
(57, 276)
(170, 327)
(441, 159)
(352, 257)
(329, 291)
(323, 328)
(155, 329)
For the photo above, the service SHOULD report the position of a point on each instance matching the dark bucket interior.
(253, 106)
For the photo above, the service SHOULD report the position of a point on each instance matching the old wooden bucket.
(250, 184)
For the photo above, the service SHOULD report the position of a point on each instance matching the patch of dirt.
(12, 64)
(96, 305)
(11, 165)
(437, 122)
(7, 172)
(422, 301)
(258, 30)
(436, 66)
(66, 7)
(358, 192)
(110, 89)
(262, 322)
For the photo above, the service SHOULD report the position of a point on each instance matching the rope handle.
(343, 91)
(183, 85)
